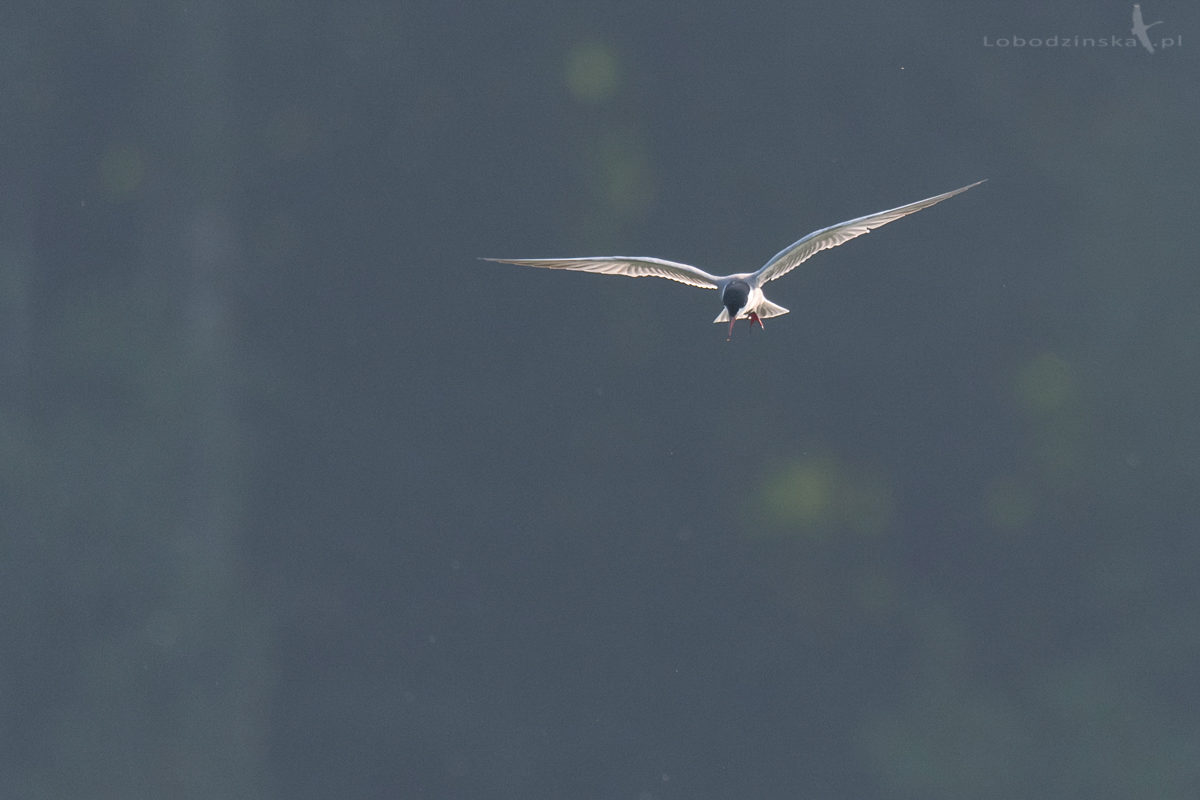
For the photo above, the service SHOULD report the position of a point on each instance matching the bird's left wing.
(797, 253)
(633, 267)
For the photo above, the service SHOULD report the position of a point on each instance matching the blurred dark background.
(301, 500)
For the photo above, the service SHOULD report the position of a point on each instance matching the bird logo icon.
(1140, 28)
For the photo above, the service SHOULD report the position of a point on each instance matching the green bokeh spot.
(624, 173)
(593, 73)
(818, 495)
(1046, 384)
(801, 494)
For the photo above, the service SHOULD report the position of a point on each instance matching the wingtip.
(962, 189)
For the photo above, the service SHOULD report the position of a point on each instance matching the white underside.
(765, 310)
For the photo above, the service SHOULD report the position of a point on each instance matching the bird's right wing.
(633, 267)
(798, 252)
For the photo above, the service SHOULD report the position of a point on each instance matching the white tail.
(766, 309)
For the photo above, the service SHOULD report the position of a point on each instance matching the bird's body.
(741, 293)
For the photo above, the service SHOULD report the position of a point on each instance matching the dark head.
(734, 298)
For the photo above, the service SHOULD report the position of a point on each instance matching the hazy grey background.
(301, 500)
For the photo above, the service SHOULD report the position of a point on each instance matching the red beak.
(753, 319)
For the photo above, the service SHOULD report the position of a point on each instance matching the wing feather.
(798, 252)
(633, 267)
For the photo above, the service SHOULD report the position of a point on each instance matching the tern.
(741, 293)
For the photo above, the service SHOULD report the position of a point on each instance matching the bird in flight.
(741, 293)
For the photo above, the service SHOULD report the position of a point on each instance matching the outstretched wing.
(797, 253)
(622, 265)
